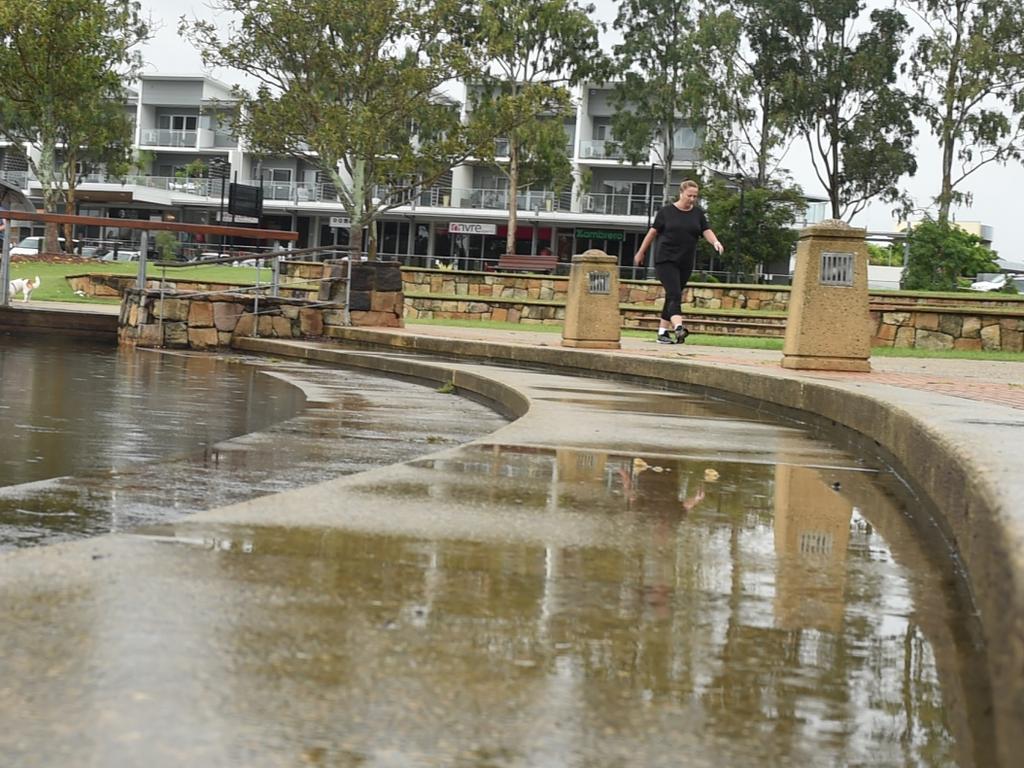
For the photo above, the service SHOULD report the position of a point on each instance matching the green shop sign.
(600, 234)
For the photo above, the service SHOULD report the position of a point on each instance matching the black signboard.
(245, 200)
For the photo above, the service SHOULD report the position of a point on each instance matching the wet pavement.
(622, 577)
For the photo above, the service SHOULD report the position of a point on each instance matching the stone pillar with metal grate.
(829, 325)
(592, 305)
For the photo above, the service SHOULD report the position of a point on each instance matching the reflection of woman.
(692, 501)
(678, 227)
(629, 476)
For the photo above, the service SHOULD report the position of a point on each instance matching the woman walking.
(677, 226)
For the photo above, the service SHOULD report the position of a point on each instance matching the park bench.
(514, 262)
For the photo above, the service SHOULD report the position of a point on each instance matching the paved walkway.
(1000, 382)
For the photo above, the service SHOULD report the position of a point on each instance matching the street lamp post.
(740, 222)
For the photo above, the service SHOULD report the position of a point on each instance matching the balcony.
(597, 149)
(616, 205)
(224, 139)
(297, 191)
(166, 137)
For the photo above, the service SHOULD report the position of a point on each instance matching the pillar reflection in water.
(812, 529)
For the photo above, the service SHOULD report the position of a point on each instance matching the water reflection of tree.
(677, 610)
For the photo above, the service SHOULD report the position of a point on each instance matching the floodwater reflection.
(99, 440)
(739, 594)
(754, 615)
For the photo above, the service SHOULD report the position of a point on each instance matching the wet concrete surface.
(622, 577)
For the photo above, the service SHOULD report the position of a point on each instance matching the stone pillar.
(829, 325)
(592, 305)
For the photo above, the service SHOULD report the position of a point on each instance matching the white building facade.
(187, 155)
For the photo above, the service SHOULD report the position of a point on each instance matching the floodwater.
(661, 580)
(98, 439)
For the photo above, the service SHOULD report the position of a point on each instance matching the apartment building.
(186, 155)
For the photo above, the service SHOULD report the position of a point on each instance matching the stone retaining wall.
(157, 318)
(203, 322)
(922, 320)
(949, 328)
(473, 285)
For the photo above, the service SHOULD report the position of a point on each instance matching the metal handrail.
(276, 257)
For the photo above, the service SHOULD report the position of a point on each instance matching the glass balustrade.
(165, 137)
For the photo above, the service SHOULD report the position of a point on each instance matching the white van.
(31, 246)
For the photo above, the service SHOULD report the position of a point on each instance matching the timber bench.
(513, 262)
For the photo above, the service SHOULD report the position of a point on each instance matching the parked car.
(31, 246)
(121, 254)
(997, 283)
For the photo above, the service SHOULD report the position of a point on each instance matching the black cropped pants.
(673, 276)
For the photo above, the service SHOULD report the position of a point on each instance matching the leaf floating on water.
(711, 475)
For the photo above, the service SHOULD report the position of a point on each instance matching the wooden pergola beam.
(142, 224)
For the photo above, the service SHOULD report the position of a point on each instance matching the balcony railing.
(617, 205)
(297, 191)
(165, 137)
(223, 138)
(493, 199)
(596, 149)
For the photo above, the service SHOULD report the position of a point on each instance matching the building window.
(178, 122)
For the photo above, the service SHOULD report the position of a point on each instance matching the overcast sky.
(996, 189)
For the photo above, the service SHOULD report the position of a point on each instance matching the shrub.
(940, 254)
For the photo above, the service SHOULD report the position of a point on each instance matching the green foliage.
(166, 245)
(671, 63)
(193, 170)
(750, 120)
(350, 85)
(755, 227)
(940, 254)
(885, 255)
(535, 49)
(969, 68)
(62, 68)
(856, 122)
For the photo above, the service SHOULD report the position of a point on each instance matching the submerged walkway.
(628, 574)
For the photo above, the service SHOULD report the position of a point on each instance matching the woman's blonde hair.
(686, 184)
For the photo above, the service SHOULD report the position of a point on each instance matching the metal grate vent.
(599, 282)
(836, 268)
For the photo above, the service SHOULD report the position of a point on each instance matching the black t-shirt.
(678, 232)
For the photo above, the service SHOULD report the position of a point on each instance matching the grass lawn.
(54, 287)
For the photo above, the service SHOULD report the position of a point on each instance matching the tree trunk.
(668, 193)
(358, 212)
(70, 179)
(513, 187)
(46, 172)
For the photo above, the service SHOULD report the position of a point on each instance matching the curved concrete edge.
(506, 400)
(960, 455)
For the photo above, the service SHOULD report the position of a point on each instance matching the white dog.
(24, 285)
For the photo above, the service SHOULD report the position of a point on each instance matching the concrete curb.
(960, 455)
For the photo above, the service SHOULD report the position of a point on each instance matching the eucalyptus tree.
(353, 88)
(63, 66)
(667, 72)
(754, 123)
(856, 121)
(536, 50)
(968, 65)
